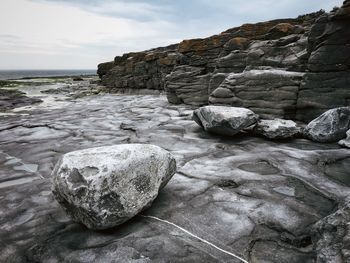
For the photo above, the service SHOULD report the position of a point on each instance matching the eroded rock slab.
(12, 98)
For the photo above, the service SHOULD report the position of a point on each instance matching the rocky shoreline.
(262, 200)
(287, 68)
(232, 148)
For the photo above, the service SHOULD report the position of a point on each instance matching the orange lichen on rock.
(238, 43)
(199, 44)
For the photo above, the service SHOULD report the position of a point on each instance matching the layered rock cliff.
(287, 68)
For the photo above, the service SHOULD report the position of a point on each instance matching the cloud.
(134, 10)
(8, 36)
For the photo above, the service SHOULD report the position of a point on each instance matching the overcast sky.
(79, 34)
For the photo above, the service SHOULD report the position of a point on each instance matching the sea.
(21, 74)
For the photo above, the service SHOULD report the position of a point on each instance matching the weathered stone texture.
(268, 92)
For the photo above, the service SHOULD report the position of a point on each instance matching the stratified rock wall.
(191, 72)
(139, 70)
(268, 92)
(327, 82)
(187, 84)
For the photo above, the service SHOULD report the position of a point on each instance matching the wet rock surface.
(255, 198)
(10, 99)
(103, 187)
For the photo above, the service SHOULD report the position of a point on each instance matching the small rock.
(224, 120)
(105, 186)
(346, 141)
(277, 129)
(331, 126)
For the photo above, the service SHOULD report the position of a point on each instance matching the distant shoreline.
(38, 74)
(56, 77)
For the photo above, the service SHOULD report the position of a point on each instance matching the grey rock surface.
(10, 99)
(277, 129)
(187, 84)
(326, 84)
(103, 187)
(331, 126)
(333, 235)
(249, 196)
(268, 92)
(224, 120)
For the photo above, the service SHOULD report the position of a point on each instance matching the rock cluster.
(331, 126)
(310, 53)
(105, 186)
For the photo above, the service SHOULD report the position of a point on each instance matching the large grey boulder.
(224, 120)
(331, 126)
(345, 142)
(277, 129)
(105, 186)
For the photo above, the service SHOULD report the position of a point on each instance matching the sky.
(79, 34)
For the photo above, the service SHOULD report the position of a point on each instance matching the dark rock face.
(327, 83)
(331, 126)
(103, 187)
(139, 70)
(103, 68)
(317, 43)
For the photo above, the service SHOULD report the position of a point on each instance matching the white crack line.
(197, 237)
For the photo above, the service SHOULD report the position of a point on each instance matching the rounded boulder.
(224, 120)
(105, 186)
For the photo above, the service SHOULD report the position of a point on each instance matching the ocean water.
(19, 74)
